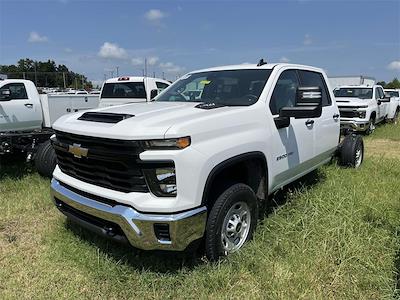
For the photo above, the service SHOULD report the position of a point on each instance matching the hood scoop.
(209, 105)
(103, 117)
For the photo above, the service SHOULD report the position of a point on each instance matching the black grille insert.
(109, 163)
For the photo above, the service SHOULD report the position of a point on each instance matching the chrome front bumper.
(139, 229)
(354, 125)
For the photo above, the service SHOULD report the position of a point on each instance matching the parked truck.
(26, 119)
(191, 167)
(394, 104)
(131, 89)
(361, 107)
(337, 81)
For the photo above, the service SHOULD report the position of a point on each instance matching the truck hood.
(150, 120)
(344, 102)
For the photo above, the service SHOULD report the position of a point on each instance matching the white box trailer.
(337, 81)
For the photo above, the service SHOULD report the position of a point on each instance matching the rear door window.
(134, 90)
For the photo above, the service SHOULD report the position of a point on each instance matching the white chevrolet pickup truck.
(130, 89)
(361, 107)
(26, 118)
(195, 166)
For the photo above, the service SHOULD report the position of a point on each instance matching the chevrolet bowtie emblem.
(77, 150)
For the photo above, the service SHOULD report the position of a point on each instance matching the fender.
(229, 162)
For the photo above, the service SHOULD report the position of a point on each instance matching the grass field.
(333, 235)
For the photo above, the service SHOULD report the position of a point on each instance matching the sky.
(95, 37)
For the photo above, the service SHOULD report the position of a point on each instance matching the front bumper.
(354, 125)
(123, 223)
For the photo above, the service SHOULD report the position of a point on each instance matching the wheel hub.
(236, 227)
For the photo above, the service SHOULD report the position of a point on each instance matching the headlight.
(172, 144)
(361, 114)
(161, 181)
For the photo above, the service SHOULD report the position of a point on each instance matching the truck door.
(382, 107)
(293, 146)
(19, 112)
(326, 127)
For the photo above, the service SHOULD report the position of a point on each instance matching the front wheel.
(231, 222)
(45, 159)
(371, 126)
(351, 152)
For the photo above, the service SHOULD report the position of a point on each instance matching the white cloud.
(394, 65)
(68, 50)
(137, 61)
(307, 40)
(171, 67)
(284, 59)
(113, 51)
(35, 37)
(152, 60)
(154, 15)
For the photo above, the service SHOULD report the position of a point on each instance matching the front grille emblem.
(78, 151)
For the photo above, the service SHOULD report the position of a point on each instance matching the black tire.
(396, 116)
(237, 194)
(351, 152)
(371, 126)
(45, 159)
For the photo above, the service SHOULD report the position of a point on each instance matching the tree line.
(394, 84)
(46, 74)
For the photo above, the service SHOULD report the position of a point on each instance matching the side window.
(377, 94)
(17, 90)
(309, 78)
(381, 93)
(161, 86)
(284, 94)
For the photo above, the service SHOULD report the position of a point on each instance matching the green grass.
(387, 131)
(333, 235)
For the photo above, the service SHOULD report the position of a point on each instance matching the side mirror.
(386, 99)
(5, 95)
(308, 104)
(153, 94)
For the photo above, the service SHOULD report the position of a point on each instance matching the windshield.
(124, 90)
(392, 93)
(230, 87)
(362, 93)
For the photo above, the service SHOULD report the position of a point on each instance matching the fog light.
(162, 181)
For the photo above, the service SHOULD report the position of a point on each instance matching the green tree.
(394, 84)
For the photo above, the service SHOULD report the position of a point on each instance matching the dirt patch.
(382, 148)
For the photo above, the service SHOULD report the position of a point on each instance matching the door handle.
(68, 110)
(336, 116)
(29, 105)
(309, 122)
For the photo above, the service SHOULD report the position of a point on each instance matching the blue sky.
(93, 37)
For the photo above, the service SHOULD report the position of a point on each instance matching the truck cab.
(20, 107)
(361, 106)
(130, 89)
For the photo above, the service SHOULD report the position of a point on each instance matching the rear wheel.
(231, 222)
(396, 116)
(45, 159)
(352, 151)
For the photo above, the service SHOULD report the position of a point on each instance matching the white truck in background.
(131, 89)
(26, 119)
(394, 104)
(361, 107)
(337, 81)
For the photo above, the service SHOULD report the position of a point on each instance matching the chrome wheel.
(359, 157)
(236, 227)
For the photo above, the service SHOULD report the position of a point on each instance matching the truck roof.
(131, 79)
(9, 80)
(363, 86)
(255, 66)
